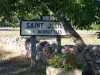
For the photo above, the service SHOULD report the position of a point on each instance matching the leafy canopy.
(81, 13)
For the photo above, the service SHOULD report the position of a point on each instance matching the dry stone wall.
(14, 44)
(90, 54)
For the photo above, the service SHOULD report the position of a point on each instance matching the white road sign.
(41, 28)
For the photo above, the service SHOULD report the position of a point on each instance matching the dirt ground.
(13, 64)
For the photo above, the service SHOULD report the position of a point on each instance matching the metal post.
(58, 39)
(33, 51)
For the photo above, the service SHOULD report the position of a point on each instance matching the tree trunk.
(77, 38)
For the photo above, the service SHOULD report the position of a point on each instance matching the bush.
(96, 27)
(66, 61)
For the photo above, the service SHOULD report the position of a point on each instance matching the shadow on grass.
(18, 66)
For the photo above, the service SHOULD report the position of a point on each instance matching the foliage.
(95, 27)
(81, 13)
(67, 61)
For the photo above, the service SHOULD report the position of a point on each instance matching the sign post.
(33, 51)
(58, 39)
(44, 27)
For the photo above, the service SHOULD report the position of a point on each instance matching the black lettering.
(32, 26)
(28, 25)
(37, 25)
(49, 31)
(60, 26)
(53, 26)
(59, 31)
(50, 26)
(46, 31)
(54, 32)
(43, 31)
(39, 31)
(41, 25)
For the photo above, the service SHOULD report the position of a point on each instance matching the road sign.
(47, 18)
(44, 27)
(41, 28)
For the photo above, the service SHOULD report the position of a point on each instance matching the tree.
(80, 13)
(77, 13)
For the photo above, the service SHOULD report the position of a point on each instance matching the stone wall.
(89, 56)
(13, 44)
(22, 45)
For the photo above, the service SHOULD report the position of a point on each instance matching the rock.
(59, 71)
(14, 44)
(90, 57)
